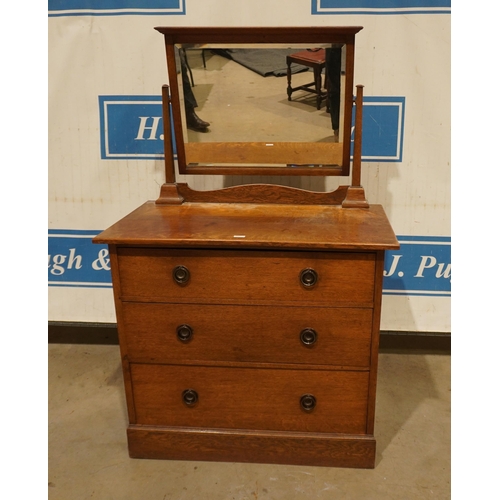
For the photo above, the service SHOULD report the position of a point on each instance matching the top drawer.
(235, 276)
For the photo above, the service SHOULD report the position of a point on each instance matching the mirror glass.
(274, 105)
(261, 100)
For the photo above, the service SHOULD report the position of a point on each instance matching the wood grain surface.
(292, 154)
(250, 398)
(246, 306)
(319, 449)
(251, 225)
(219, 276)
(247, 334)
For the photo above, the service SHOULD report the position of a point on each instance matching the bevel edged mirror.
(278, 100)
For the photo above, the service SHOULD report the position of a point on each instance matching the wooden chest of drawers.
(250, 333)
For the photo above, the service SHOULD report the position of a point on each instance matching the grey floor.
(88, 455)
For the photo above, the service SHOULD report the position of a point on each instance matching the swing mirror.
(261, 101)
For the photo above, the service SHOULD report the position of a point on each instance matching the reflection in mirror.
(280, 106)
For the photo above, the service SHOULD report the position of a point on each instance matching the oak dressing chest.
(249, 316)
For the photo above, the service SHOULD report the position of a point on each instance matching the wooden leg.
(327, 96)
(317, 85)
(289, 80)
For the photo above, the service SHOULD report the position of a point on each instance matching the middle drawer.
(165, 333)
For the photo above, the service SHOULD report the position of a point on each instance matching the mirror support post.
(167, 136)
(169, 194)
(358, 132)
(355, 197)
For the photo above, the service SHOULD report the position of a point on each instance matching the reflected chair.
(312, 58)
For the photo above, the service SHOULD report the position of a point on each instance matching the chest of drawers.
(250, 332)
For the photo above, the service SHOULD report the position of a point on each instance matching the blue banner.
(75, 261)
(132, 126)
(422, 266)
(58, 8)
(378, 7)
(383, 127)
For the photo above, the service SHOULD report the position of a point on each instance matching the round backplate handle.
(181, 275)
(184, 333)
(308, 402)
(308, 337)
(308, 277)
(190, 397)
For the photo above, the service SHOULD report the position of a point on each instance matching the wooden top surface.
(247, 225)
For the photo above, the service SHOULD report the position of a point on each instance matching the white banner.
(106, 69)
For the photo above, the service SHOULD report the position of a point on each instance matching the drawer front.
(241, 398)
(245, 276)
(163, 333)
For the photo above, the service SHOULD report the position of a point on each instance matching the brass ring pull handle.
(308, 277)
(190, 397)
(308, 337)
(181, 275)
(308, 402)
(184, 333)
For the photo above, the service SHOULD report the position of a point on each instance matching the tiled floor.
(88, 455)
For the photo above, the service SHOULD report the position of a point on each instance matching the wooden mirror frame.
(261, 36)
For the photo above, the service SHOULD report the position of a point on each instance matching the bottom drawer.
(250, 398)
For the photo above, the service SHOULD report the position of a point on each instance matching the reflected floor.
(228, 94)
